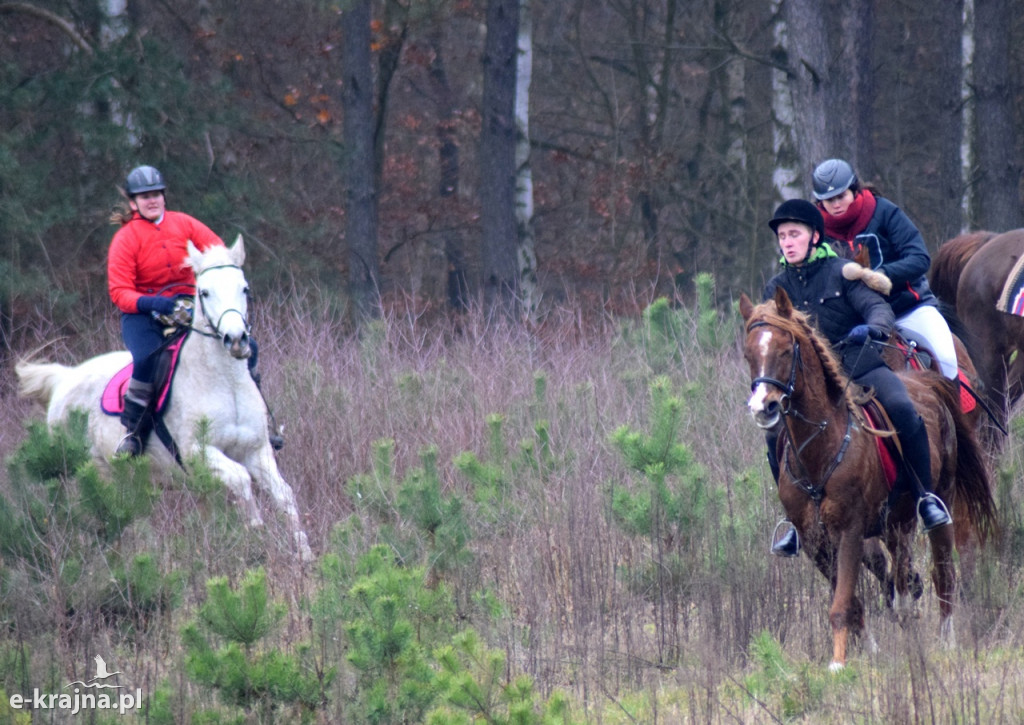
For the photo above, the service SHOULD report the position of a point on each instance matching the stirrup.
(787, 545)
(939, 514)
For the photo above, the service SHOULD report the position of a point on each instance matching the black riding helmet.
(142, 179)
(801, 211)
(832, 178)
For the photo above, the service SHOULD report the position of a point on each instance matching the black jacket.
(836, 305)
(896, 248)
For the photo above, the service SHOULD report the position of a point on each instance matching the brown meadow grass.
(578, 614)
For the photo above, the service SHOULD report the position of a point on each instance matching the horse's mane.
(798, 325)
(215, 255)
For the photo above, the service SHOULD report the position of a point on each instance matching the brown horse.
(969, 272)
(832, 484)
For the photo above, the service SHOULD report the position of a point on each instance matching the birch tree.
(526, 255)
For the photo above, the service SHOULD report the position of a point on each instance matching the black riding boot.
(137, 418)
(917, 457)
(788, 544)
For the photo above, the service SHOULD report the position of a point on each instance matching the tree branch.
(50, 17)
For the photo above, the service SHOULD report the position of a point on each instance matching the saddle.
(886, 441)
(919, 358)
(112, 399)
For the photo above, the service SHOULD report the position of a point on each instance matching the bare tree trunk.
(807, 52)
(360, 164)
(497, 158)
(998, 195)
(968, 117)
(947, 125)
(852, 88)
(449, 180)
(526, 254)
(787, 177)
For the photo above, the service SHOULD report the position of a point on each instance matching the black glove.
(156, 303)
(862, 333)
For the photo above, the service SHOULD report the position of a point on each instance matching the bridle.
(815, 491)
(215, 326)
(788, 387)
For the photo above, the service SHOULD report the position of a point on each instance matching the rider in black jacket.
(851, 316)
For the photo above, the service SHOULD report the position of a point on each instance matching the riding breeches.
(926, 324)
(143, 336)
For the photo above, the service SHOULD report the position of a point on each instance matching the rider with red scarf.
(856, 216)
(852, 316)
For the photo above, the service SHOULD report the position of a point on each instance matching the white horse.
(212, 381)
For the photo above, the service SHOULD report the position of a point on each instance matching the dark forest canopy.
(654, 127)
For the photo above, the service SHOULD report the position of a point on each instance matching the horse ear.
(238, 251)
(193, 256)
(782, 302)
(746, 306)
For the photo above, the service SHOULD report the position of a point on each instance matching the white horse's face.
(222, 296)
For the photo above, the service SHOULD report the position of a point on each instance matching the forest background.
(587, 492)
(661, 136)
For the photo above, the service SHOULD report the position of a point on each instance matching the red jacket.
(147, 258)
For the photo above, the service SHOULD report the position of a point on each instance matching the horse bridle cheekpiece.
(202, 304)
(786, 388)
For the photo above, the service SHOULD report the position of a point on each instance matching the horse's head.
(222, 295)
(773, 354)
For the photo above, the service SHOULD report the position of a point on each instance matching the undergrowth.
(514, 524)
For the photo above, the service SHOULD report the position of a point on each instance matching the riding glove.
(157, 304)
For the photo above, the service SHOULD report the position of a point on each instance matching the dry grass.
(556, 559)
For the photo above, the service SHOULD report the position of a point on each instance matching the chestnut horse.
(832, 484)
(969, 272)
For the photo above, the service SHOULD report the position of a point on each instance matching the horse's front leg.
(265, 473)
(235, 477)
(847, 612)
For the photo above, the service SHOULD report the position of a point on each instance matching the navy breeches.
(143, 336)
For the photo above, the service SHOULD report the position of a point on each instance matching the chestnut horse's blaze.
(832, 484)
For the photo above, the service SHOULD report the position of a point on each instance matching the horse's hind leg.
(876, 561)
(944, 579)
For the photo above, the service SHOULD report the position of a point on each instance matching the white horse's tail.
(37, 380)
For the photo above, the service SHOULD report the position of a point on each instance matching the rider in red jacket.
(146, 272)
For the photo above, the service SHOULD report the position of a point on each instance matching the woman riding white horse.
(211, 381)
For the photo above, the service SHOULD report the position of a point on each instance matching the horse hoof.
(836, 667)
(305, 553)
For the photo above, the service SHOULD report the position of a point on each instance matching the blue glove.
(156, 303)
(862, 333)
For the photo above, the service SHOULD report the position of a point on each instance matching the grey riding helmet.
(142, 179)
(832, 178)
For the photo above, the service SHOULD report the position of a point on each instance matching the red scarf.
(854, 220)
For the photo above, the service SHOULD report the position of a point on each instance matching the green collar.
(822, 251)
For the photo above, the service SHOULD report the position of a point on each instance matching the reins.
(815, 491)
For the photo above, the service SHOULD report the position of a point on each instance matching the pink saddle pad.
(112, 400)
